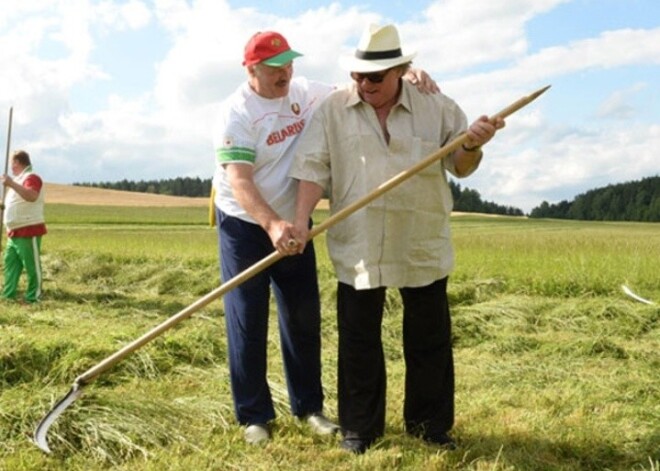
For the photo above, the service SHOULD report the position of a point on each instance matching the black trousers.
(362, 377)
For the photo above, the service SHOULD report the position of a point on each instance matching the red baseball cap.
(269, 48)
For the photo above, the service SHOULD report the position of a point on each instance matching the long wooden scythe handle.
(4, 190)
(91, 374)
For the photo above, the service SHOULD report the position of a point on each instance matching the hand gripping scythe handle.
(40, 434)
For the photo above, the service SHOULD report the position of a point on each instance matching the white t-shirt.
(263, 132)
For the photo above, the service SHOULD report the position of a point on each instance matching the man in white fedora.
(358, 139)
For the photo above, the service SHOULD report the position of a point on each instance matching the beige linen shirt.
(401, 239)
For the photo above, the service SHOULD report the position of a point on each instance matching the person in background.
(24, 219)
(255, 136)
(359, 138)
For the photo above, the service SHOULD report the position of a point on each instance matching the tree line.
(631, 201)
(180, 186)
(465, 199)
(469, 201)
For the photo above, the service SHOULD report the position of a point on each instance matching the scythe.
(40, 434)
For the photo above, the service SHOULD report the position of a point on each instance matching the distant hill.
(631, 201)
(70, 194)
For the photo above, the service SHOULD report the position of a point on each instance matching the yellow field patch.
(70, 194)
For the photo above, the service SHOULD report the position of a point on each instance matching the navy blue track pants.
(295, 287)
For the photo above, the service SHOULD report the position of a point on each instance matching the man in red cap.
(254, 140)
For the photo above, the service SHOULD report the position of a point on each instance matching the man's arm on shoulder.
(422, 80)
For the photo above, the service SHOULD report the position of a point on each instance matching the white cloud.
(133, 14)
(618, 104)
(164, 131)
(48, 51)
(466, 34)
(490, 88)
(564, 162)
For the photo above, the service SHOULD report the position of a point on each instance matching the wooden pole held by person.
(4, 190)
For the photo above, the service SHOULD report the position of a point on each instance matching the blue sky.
(108, 90)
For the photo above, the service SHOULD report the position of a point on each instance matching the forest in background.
(630, 201)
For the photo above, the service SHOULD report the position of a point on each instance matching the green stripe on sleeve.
(235, 154)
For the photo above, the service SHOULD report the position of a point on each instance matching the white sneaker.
(320, 424)
(256, 434)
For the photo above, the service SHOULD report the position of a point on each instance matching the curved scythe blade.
(636, 297)
(41, 431)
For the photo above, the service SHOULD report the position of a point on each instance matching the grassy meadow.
(556, 368)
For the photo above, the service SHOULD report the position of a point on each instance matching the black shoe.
(441, 439)
(355, 445)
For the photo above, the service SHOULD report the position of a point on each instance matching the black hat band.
(376, 55)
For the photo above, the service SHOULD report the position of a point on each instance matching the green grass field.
(556, 368)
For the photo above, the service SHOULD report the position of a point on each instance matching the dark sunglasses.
(373, 77)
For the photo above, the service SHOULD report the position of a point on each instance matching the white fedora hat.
(378, 49)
